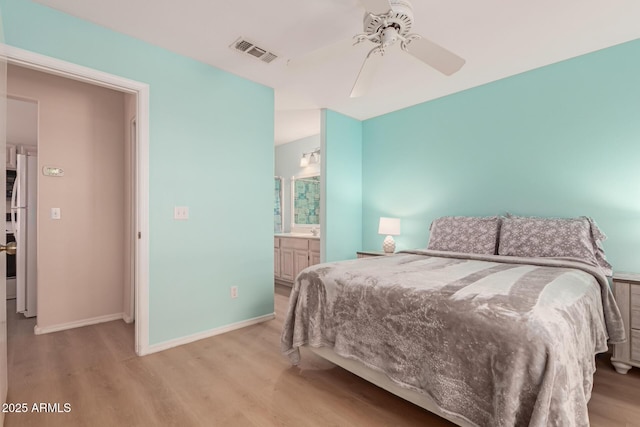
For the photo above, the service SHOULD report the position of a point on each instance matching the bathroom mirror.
(278, 205)
(305, 201)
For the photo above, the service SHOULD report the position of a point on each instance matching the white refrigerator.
(23, 216)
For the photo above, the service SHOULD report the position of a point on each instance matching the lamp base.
(389, 245)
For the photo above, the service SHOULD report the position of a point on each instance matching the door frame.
(35, 61)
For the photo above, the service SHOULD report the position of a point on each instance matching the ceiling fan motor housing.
(399, 17)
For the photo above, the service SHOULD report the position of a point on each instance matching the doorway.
(139, 201)
(63, 276)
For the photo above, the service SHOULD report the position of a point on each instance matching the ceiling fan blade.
(376, 6)
(368, 71)
(320, 56)
(435, 56)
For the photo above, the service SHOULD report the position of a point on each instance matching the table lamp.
(389, 227)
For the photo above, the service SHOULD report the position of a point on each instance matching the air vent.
(268, 57)
(245, 46)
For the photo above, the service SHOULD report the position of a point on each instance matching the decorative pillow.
(476, 235)
(553, 237)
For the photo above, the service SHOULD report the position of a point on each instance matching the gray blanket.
(500, 341)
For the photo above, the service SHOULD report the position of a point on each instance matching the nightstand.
(626, 290)
(368, 254)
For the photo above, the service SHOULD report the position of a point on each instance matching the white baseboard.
(127, 318)
(206, 334)
(77, 324)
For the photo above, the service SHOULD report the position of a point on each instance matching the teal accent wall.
(287, 165)
(202, 155)
(342, 192)
(562, 140)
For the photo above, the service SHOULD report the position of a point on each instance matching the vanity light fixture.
(315, 157)
(310, 157)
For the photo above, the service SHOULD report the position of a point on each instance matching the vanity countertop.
(297, 235)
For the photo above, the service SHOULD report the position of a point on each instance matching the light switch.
(55, 213)
(181, 212)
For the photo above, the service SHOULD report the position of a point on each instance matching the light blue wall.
(202, 155)
(342, 191)
(562, 140)
(288, 164)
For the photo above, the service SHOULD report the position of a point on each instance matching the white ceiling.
(497, 38)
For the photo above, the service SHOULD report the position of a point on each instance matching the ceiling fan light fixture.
(400, 17)
(386, 23)
(389, 36)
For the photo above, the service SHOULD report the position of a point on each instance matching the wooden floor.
(235, 379)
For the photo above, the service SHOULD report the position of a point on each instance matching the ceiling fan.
(386, 23)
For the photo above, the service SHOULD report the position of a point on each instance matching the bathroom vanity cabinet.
(292, 254)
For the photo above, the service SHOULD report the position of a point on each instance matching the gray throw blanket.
(499, 341)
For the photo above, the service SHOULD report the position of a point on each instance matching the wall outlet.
(234, 292)
(181, 212)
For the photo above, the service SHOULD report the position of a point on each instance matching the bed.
(478, 338)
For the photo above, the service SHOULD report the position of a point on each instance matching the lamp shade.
(389, 226)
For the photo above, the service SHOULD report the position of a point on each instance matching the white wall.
(80, 256)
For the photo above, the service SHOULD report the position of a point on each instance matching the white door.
(3, 258)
